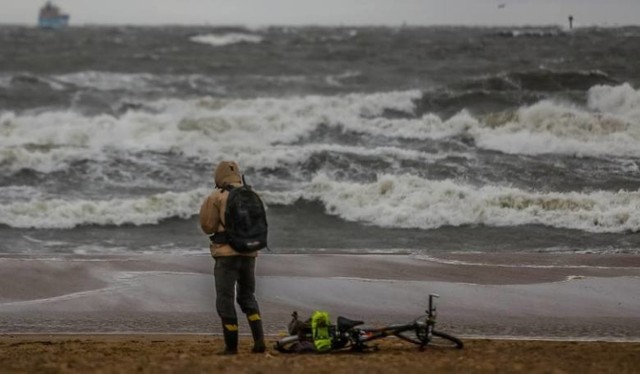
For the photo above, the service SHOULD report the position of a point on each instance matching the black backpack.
(245, 220)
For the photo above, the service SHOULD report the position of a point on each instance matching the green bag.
(320, 323)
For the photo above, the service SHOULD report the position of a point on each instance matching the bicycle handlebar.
(432, 305)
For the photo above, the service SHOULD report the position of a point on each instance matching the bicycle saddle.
(346, 323)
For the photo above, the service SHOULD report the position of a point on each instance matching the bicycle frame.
(359, 336)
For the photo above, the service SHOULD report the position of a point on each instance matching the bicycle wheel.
(441, 339)
(409, 336)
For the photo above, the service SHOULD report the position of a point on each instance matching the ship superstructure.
(51, 17)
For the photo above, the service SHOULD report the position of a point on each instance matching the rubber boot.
(255, 322)
(230, 331)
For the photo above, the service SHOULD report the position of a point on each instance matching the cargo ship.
(51, 17)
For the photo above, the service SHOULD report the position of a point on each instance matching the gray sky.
(332, 12)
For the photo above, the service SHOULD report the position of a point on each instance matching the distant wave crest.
(218, 40)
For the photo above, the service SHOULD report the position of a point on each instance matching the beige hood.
(227, 172)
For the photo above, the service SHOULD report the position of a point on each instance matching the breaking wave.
(218, 40)
(609, 126)
(211, 128)
(540, 80)
(408, 201)
(404, 201)
(207, 128)
(65, 214)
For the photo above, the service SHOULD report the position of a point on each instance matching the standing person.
(232, 268)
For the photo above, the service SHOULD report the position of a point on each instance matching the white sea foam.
(108, 81)
(61, 214)
(404, 201)
(134, 82)
(610, 125)
(411, 202)
(621, 100)
(209, 128)
(531, 32)
(218, 40)
(336, 80)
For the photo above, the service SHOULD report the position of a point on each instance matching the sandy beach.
(196, 353)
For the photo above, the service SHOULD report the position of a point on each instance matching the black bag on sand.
(305, 338)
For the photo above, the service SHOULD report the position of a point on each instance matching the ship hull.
(53, 22)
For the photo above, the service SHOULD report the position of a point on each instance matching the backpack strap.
(219, 237)
(228, 188)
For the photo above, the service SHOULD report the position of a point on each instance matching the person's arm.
(209, 215)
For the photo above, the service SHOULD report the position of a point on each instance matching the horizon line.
(336, 25)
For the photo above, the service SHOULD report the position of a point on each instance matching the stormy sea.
(359, 140)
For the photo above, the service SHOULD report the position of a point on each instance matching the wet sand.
(196, 353)
(569, 296)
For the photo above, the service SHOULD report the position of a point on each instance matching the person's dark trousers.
(233, 272)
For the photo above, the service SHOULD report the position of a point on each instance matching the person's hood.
(227, 172)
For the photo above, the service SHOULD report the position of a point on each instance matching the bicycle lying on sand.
(347, 335)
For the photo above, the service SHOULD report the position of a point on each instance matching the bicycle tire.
(409, 336)
(444, 340)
